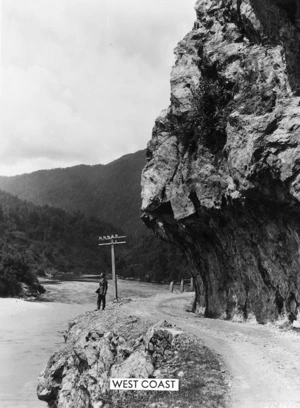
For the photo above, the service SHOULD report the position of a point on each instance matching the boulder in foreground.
(113, 344)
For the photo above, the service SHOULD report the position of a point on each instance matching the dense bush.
(152, 260)
(9, 285)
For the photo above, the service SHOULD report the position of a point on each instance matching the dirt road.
(262, 361)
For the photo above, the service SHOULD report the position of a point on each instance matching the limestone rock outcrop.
(115, 344)
(223, 174)
(96, 347)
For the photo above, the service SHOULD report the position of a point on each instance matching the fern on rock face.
(205, 122)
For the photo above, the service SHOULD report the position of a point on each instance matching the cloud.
(83, 80)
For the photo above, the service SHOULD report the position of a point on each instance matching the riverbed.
(31, 331)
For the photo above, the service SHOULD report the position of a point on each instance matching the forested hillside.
(61, 231)
(34, 240)
(153, 260)
(110, 192)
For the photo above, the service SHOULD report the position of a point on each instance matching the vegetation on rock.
(205, 122)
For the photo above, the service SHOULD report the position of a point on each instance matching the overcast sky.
(83, 80)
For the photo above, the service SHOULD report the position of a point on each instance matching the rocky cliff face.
(223, 173)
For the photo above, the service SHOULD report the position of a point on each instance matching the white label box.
(144, 384)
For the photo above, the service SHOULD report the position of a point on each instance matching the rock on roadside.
(112, 344)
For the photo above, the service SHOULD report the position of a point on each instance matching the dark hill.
(110, 192)
(36, 239)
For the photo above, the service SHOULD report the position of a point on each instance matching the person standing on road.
(102, 292)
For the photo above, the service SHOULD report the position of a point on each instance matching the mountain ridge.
(100, 190)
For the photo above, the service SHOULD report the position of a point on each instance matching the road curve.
(262, 361)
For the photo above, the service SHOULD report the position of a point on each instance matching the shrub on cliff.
(205, 122)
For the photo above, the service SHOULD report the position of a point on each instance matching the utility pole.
(113, 240)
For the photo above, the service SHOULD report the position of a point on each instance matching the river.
(31, 332)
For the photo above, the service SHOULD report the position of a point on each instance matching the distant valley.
(65, 210)
(109, 192)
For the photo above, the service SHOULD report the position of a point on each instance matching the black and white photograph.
(150, 204)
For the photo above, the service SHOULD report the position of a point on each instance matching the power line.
(112, 240)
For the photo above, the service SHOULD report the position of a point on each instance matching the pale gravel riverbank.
(10, 307)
